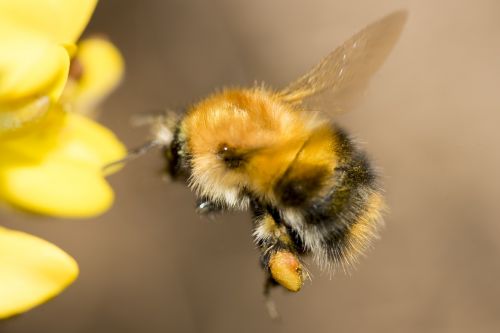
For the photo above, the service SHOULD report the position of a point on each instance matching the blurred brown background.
(430, 119)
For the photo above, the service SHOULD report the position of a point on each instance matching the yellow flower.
(56, 169)
(96, 70)
(31, 271)
(51, 158)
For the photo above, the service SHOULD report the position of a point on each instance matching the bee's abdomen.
(338, 223)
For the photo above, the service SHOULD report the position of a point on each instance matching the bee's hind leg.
(270, 304)
(279, 258)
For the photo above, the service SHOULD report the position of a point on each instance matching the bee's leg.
(279, 254)
(270, 304)
(269, 285)
(210, 208)
(205, 206)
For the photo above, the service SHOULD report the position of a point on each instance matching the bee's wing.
(343, 75)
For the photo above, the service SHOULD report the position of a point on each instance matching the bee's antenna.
(134, 153)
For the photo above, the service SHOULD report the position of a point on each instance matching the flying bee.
(308, 186)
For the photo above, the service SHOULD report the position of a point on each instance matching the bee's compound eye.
(224, 149)
(231, 157)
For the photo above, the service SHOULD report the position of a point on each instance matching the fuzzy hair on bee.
(277, 153)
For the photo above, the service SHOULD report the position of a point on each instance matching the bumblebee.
(277, 153)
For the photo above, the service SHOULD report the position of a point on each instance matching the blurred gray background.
(430, 120)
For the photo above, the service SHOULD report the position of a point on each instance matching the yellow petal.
(59, 171)
(52, 188)
(61, 21)
(32, 271)
(17, 116)
(31, 68)
(100, 69)
(31, 143)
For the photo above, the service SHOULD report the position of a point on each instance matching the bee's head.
(240, 141)
(165, 131)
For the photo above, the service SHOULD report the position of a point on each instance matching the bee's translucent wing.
(343, 75)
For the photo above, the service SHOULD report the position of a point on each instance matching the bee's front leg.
(207, 207)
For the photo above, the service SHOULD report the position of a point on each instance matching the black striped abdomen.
(340, 213)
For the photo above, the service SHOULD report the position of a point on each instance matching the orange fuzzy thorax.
(253, 122)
